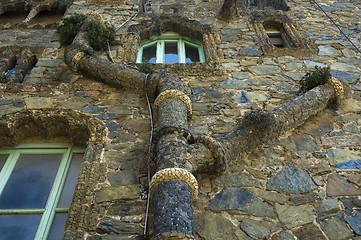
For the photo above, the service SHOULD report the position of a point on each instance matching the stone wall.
(305, 184)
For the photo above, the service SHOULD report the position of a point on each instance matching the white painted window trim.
(167, 37)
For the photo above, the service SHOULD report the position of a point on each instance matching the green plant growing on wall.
(87, 50)
(69, 28)
(318, 76)
(99, 35)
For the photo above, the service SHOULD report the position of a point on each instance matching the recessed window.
(170, 48)
(36, 189)
(277, 39)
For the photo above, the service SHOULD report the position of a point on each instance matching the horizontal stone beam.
(259, 127)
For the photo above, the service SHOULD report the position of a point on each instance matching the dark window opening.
(277, 39)
(150, 53)
(13, 17)
(48, 18)
(192, 53)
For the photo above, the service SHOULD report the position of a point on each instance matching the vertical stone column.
(173, 186)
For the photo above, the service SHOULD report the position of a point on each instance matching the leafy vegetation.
(100, 35)
(69, 28)
(314, 78)
(87, 50)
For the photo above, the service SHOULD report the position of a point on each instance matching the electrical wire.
(358, 50)
(146, 78)
(126, 21)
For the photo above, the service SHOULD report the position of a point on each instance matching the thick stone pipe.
(259, 127)
(173, 186)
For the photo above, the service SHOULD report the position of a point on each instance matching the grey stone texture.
(355, 222)
(328, 207)
(212, 226)
(283, 235)
(339, 186)
(302, 185)
(291, 180)
(240, 200)
(336, 228)
(293, 216)
(309, 232)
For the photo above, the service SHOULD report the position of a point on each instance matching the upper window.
(277, 38)
(170, 48)
(36, 189)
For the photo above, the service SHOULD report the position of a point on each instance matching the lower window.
(37, 182)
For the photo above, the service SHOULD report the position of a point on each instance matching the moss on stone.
(318, 76)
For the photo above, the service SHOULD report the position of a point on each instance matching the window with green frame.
(170, 48)
(37, 182)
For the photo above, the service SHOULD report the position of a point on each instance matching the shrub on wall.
(99, 35)
(69, 28)
(314, 78)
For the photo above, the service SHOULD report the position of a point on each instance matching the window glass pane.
(30, 182)
(171, 52)
(150, 53)
(58, 226)
(192, 54)
(3, 158)
(18, 226)
(70, 183)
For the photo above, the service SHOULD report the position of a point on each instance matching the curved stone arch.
(157, 25)
(75, 128)
(192, 29)
(299, 45)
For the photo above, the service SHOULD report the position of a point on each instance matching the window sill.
(186, 69)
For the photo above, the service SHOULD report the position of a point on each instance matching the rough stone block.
(338, 186)
(293, 216)
(107, 194)
(291, 180)
(336, 229)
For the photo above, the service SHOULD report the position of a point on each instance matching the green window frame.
(183, 44)
(68, 160)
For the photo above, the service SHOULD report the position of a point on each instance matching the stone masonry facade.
(297, 177)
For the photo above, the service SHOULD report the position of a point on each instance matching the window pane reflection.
(2, 160)
(171, 52)
(192, 54)
(70, 183)
(22, 227)
(58, 226)
(30, 182)
(150, 53)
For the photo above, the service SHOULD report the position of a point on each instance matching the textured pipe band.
(168, 94)
(168, 129)
(216, 150)
(180, 174)
(173, 210)
(338, 87)
(76, 59)
(174, 235)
